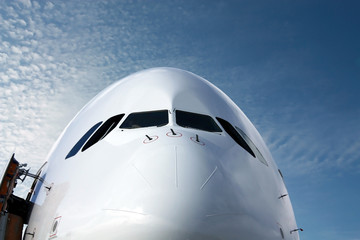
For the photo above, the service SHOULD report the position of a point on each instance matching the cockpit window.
(104, 130)
(146, 119)
(242, 139)
(252, 146)
(82, 140)
(234, 134)
(196, 121)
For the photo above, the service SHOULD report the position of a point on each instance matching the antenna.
(295, 230)
(284, 195)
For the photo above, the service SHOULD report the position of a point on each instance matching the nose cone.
(170, 182)
(164, 193)
(171, 192)
(167, 193)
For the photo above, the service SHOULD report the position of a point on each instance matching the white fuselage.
(168, 182)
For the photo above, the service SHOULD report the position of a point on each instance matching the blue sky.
(292, 66)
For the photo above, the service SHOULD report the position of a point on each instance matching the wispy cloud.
(54, 57)
(32, 80)
(307, 124)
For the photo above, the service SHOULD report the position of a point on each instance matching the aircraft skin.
(166, 182)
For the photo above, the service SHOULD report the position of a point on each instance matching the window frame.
(108, 126)
(80, 143)
(216, 127)
(252, 145)
(131, 115)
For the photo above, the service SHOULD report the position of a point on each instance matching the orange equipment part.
(8, 182)
(14, 227)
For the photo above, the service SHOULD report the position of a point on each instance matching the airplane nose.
(166, 195)
(174, 192)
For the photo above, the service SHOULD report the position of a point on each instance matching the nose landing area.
(121, 225)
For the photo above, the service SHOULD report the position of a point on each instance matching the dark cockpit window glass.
(252, 146)
(234, 134)
(104, 130)
(146, 119)
(82, 140)
(196, 121)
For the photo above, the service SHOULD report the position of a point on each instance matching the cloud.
(26, 3)
(49, 6)
(44, 74)
(295, 114)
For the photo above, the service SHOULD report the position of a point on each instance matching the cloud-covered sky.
(292, 66)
